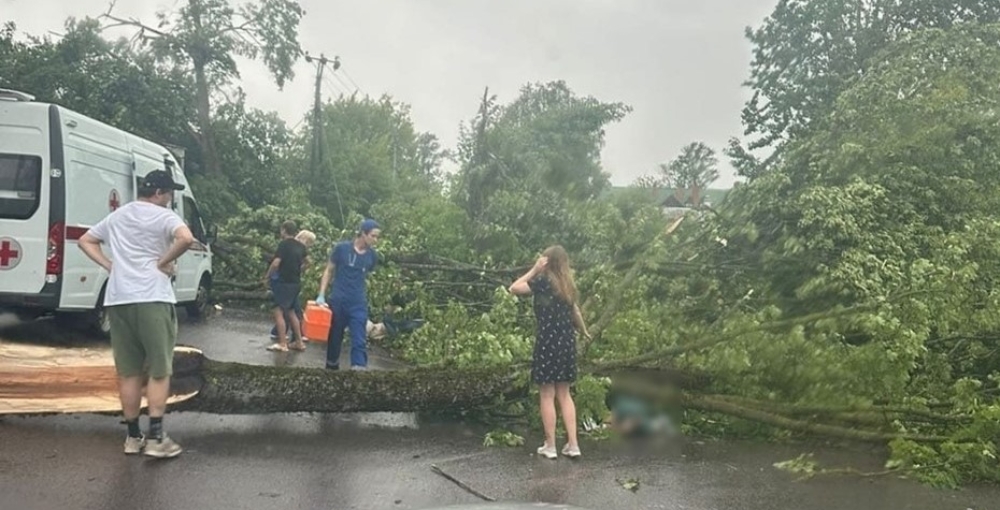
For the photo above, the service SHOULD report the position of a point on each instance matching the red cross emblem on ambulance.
(10, 253)
(114, 200)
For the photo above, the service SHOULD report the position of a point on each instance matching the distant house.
(678, 200)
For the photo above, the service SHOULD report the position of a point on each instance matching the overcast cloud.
(678, 63)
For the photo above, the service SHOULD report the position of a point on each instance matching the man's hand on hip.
(167, 268)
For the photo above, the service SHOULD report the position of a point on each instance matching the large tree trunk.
(235, 388)
(207, 137)
(38, 380)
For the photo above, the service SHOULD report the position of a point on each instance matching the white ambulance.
(60, 173)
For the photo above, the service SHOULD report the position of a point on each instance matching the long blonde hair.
(560, 274)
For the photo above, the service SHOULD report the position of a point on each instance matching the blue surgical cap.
(367, 226)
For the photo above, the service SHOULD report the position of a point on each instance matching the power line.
(297, 124)
(333, 88)
(344, 83)
(356, 86)
(333, 92)
(340, 202)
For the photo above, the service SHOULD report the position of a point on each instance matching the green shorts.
(143, 336)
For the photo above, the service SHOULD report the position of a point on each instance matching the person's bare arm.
(275, 263)
(324, 281)
(91, 246)
(578, 321)
(183, 240)
(521, 287)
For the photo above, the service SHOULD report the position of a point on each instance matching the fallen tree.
(43, 380)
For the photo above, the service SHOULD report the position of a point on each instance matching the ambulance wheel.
(94, 322)
(100, 323)
(202, 304)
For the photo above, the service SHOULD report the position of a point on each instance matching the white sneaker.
(134, 445)
(163, 448)
(549, 452)
(572, 453)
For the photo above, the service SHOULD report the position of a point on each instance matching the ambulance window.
(193, 219)
(20, 186)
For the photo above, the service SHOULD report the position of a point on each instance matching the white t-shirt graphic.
(137, 235)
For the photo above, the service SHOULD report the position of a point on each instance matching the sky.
(679, 64)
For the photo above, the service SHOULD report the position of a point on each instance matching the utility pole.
(316, 156)
(395, 149)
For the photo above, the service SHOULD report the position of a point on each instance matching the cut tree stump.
(51, 380)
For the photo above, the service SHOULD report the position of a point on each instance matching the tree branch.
(709, 341)
(710, 404)
(461, 484)
(128, 22)
(257, 286)
(848, 413)
(242, 26)
(611, 309)
(240, 295)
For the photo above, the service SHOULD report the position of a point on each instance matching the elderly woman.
(307, 238)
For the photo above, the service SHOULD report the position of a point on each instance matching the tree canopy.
(807, 52)
(205, 37)
(695, 167)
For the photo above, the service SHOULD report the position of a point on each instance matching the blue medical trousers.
(355, 318)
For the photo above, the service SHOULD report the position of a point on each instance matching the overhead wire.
(326, 153)
(344, 83)
(356, 86)
(333, 88)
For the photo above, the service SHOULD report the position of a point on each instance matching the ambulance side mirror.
(211, 234)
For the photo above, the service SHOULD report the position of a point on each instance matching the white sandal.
(549, 452)
(572, 453)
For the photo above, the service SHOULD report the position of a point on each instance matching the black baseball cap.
(160, 179)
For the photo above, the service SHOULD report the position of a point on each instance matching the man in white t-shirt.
(144, 238)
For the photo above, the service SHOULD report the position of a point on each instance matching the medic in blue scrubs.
(349, 265)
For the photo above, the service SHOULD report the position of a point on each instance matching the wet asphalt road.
(383, 461)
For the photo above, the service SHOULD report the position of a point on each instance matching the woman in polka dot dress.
(553, 367)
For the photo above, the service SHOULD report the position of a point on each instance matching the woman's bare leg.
(546, 398)
(568, 408)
